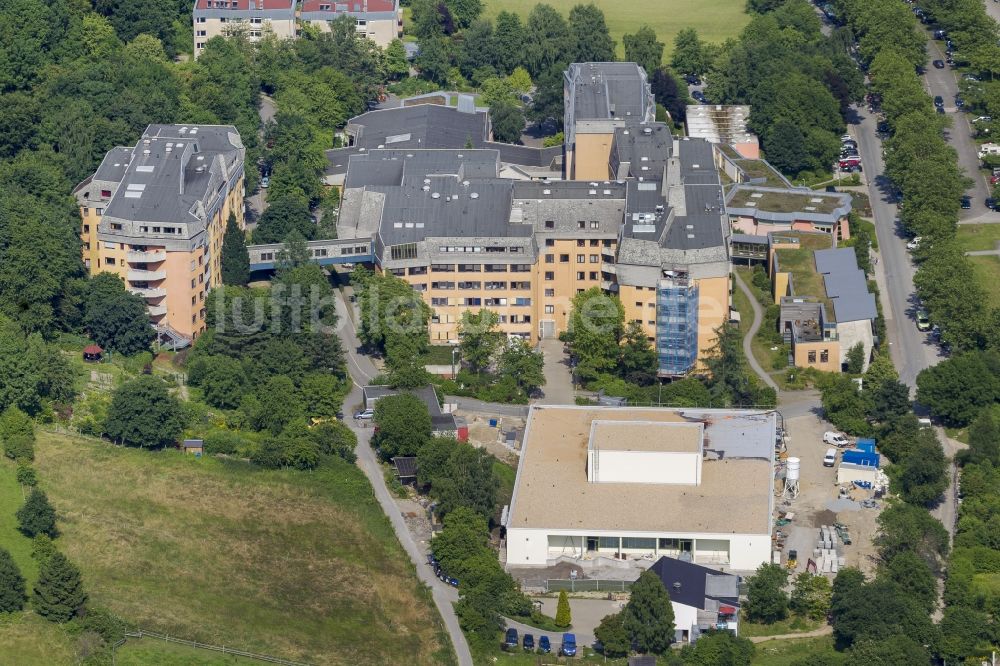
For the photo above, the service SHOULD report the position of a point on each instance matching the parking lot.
(818, 502)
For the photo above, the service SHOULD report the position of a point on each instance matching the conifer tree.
(59, 593)
(235, 258)
(12, 595)
(37, 516)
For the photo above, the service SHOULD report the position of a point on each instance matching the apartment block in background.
(379, 20)
(598, 98)
(257, 18)
(155, 214)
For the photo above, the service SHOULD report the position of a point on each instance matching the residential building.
(379, 20)
(755, 210)
(707, 476)
(599, 97)
(724, 125)
(155, 214)
(254, 18)
(810, 333)
(703, 599)
(854, 306)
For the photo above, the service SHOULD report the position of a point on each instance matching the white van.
(925, 423)
(830, 459)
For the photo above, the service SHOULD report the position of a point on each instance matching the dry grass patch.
(298, 565)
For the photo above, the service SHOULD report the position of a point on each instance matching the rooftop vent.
(625, 132)
(648, 130)
(426, 188)
(435, 195)
(546, 191)
(474, 195)
(465, 183)
(201, 158)
(199, 169)
(591, 192)
(145, 152)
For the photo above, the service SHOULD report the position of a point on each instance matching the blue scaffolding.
(676, 326)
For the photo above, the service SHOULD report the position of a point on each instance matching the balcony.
(137, 275)
(140, 257)
(157, 310)
(149, 292)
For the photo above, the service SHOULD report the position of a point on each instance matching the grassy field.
(297, 565)
(790, 650)
(789, 626)
(987, 271)
(715, 20)
(11, 499)
(978, 236)
(153, 652)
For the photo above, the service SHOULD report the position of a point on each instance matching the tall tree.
(786, 148)
(690, 54)
(648, 617)
(766, 598)
(507, 120)
(12, 589)
(143, 413)
(481, 337)
(404, 425)
(548, 43)
(116, 319)
(590, 33)
(644, 48)
(596, 325)
(563, 617)
(509, 38)
(670, 94)
(523, 365)
(284, 215)
(59, 593)
(36, 516)
(235, 258)
(638, 359)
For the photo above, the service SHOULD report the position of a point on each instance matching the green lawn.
(11, 499)
(298, 565)
(790, 650)
(34, 641)
(987, 271)
(978, 236)
(715, 20)
(789, 626)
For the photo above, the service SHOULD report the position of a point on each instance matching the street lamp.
(454, 350)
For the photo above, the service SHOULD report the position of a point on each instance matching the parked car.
(966, 202)
(915, 243)
(365, 414)
(544, 646)
(923, 321)
(959, 102)
(940, 34)
(970, 77)
(992, 204)
(510, 640)
(264, 182)
(837, 439)
(938, 101)
(939, 64)
(692, 79)
(699, 97)
(529, 643)
(568, 647)
(830, 458)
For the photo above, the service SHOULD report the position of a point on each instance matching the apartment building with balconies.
(379, 20)
(254, 18)
(155, 214)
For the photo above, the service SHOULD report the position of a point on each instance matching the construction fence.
(587, 585)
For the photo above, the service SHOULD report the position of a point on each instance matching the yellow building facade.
(155, 215)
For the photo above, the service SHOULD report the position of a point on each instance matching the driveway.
(361, 370)
(558, 389)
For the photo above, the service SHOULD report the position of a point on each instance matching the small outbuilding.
(194, 446)
(92, 353)
(406, 469)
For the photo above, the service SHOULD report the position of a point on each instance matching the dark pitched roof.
(691, 584)
(405, 465)
(846, 285)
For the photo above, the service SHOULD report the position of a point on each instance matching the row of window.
(255, 20)
(580, 224)
(580, 275)
(824, 356)
(501, 318)
(444, 301)
(580, 258)
(481, 248)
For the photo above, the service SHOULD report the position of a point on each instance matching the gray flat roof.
(599, 86)
(646, 147)
(420, 126)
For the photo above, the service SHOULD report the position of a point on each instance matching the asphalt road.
(993, 9)
(361, 370)
(944, 82)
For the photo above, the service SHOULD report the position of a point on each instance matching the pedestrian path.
(758, 316)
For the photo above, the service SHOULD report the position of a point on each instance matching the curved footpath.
(758, 316)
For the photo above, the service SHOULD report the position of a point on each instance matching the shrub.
(226, 442)
(19, 447)
(26, 475)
